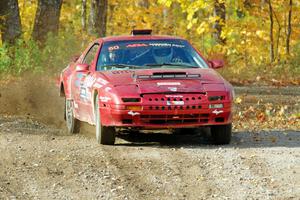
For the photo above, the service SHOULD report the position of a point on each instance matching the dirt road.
(39, 161)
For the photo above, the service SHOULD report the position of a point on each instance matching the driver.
(162, 54)
(112, 55)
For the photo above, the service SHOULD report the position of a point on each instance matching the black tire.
(73, 124)
(221, 134)
(104, 134)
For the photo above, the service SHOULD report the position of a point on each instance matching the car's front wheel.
(73, 124)
(104, 134)
(221, 134)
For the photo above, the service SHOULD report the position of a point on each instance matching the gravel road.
(40, 161)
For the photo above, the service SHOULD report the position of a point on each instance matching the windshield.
(145, 54)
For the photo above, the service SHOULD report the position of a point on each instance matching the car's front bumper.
(161, 117)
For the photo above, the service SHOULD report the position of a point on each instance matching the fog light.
(216, 98)
(218, 105)
(134, 108)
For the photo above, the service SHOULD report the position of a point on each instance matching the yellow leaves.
(213, 19)
(167, 3)
(238, 100)
(283, 110)
(262, 34)
(204, 27)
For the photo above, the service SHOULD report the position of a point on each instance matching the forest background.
(259, 40)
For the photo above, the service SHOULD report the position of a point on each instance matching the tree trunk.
(46, 19)
(10, 23)
(110, 16)
(271, 32)
(98, 17)
(289, 29)
(278, 36)
(83, 14)
(220, 11)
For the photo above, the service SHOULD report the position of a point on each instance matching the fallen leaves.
(238, 100)
(261, 114)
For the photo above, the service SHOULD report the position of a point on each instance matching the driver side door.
(83, 81)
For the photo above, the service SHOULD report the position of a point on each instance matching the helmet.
(162, 54)
(115, 56)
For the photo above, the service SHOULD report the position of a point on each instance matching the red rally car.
(144, 81)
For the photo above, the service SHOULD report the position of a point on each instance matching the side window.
(91, 54)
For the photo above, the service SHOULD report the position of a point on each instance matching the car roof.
(138, 37)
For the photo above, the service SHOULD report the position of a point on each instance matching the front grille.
(175, 119)
(187, 99)
(181, 101)
(188, 107)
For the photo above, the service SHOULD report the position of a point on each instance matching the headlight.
(126, 100)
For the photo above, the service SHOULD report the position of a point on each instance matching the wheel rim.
(69, 113)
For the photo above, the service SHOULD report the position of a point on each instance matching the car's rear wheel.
(104, 134)
(73, 124)
(221, 134)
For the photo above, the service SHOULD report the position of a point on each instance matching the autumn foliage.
(258, 39)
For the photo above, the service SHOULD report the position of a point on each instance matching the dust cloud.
(34, 96)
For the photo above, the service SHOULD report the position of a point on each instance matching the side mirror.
(75, 58)
(216, 64)
(82, 67)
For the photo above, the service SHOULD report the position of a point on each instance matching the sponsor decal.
(174, 96)
(166, 45)
(175, 103)
(104, 99)
(89, 81)
(168, 83)
(77, 83)
(86, 84)
(88, 95)
(173, 89)
(133, 113)
(217, 112)
(83, 92)
(102, 81)
(107, 89)
(136, 45)
(97, 85)
(79, 75)
(112, 48)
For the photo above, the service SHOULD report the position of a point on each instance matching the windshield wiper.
(121, 66)
(170, 64)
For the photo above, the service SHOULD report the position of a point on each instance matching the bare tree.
(10, 23)
(289, 29)
(83, 14)
(46, 19)
(98, 17)
(271, 32)
(220, 11)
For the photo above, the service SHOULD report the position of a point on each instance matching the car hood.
(164, 80)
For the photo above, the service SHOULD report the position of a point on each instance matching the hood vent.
(121, 71)
(168, 75)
